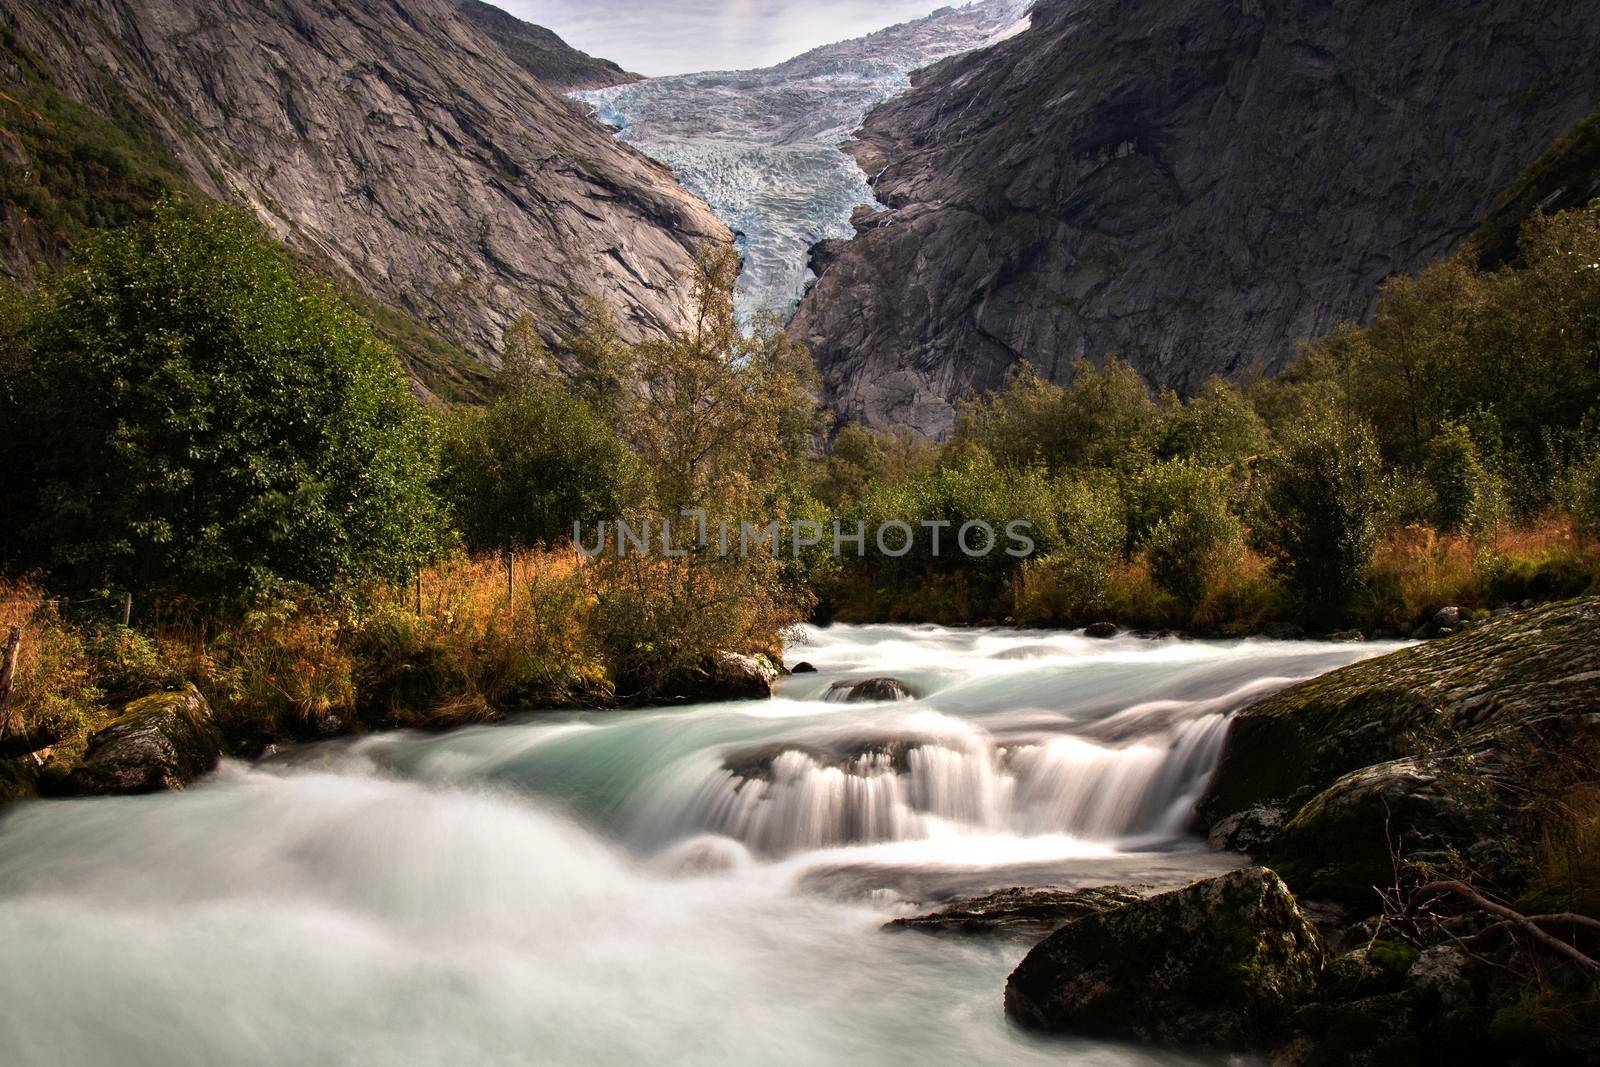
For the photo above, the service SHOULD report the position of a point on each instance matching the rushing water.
(697, 885)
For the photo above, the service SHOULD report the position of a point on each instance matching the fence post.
(8, 678)
(127, 609)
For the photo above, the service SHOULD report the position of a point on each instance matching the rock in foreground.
(161, 742)
(1222, 963)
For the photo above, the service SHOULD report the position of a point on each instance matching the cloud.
(656, 38)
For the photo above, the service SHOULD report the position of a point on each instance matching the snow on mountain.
(761, 147)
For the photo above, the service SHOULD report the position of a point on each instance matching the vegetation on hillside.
(1446, 454)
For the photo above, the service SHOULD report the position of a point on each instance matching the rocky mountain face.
(389, 141)
(542, 53)
(1192, 184)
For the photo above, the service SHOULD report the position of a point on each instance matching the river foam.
(567, 889)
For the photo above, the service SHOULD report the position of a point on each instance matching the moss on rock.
(160, 742)
(1222, 963)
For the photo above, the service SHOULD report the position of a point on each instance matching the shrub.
(1467, 494)
(1318, 512)
(193, 417)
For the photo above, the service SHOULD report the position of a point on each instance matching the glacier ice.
(761, 147)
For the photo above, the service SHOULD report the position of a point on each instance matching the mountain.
(389, 142)
(762, 146)
(541, 53)
(1193, 184)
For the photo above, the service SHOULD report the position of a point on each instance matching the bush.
(1071, 583)
(190, 416)
(520, 473)
(1467, 495)
(1318, 512)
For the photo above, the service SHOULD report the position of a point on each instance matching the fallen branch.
(1515, 918)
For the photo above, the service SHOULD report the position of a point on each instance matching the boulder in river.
(1101, 630)
(870, 691)
(1021, 910)
(1415, 755)
(726, 676)
(803, 668)
(1222, 963)
(161, 742)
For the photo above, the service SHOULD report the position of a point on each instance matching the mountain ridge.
(1192, 185)
(391, 143)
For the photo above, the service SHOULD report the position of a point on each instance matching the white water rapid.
(761, 147)
(696, 885)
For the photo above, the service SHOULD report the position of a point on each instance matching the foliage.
(521, 472)
(1319, 511)
(189, 416)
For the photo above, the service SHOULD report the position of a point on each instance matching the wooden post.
(8, 677)
(511, 589)
(419, 594)
(127, 609)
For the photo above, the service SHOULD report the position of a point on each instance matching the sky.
(656, 37)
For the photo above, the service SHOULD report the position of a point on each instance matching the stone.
(1101, 630)
(803, 668)
(1222, 963)
(1439, 979)
(1447, 617)
(870, 691)
(1021, 910)
(162, 742)
(1249, 830)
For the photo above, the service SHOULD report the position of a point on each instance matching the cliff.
(390, 142)
(1192, 184)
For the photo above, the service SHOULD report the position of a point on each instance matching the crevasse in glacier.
(761, 147)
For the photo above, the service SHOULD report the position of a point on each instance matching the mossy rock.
(1221, 963)
(161, 742)
(1523, 669)
(1372, 969)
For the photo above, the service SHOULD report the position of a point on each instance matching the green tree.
(1467, 493)
(1318, 515)
(519, 473)
(185, 413)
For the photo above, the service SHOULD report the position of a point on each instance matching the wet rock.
(1222, 963)
(1447, 617)
(161, 742)
(1347, 637)
(872, 690)
(802, 668)
(1249, 830)
(1021, 910)
(1101, 630)
(1283, 631)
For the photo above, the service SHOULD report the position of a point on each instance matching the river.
(696, 885)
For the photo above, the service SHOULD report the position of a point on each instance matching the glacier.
(762, 147)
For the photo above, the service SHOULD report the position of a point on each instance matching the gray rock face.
(1192, 185)
(1222, 963)
(395, 144)
(161, 742)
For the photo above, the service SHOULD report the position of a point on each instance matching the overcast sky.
(656, 37)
